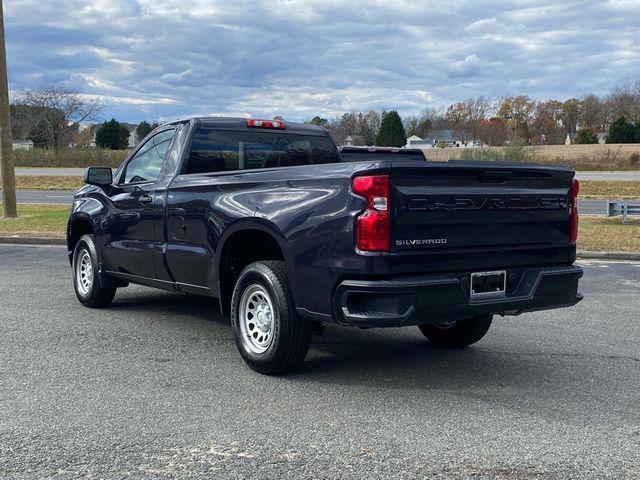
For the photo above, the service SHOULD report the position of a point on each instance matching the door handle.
(145, 200)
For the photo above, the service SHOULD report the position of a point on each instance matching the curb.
(33, 240)
(608, 255)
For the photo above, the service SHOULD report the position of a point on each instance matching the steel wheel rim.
(84, 272)
(257, 318)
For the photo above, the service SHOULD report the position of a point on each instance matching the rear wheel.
(271, 338)
(457, 334)
(86, 278)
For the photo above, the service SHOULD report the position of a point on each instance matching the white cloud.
(168, 58)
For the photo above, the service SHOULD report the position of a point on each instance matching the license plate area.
(488, 284)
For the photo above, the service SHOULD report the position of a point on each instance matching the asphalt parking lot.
(152, 387)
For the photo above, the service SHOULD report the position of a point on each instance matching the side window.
(147, 163)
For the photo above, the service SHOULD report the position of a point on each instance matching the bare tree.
(592, 112)
(460, 116)
(417, 125)
(547, 124)
(493, 131)
(625, 101)
(468, 116)
(517, 112)
(55, 113)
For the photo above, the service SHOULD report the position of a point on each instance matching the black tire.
(290, 335)
(460, 334)
(91, 294)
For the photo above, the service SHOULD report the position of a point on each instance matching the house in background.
(354, 140)
(414, 141)
(22, 144)
(436, 138)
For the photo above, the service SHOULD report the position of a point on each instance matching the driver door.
(128, 228)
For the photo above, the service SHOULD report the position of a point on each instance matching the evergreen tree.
(319, 121)
(391, 132)
(621, 131)
(142, 130)
(586, 135)
(112, 135)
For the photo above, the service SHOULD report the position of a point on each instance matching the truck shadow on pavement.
(384, 358)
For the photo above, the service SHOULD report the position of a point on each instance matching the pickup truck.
(265, 216)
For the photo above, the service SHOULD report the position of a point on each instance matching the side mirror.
(100, 176)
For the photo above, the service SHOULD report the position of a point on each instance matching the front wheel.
(271, 338)
(457, 334)
(86, 279)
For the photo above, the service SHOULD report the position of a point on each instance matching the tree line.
(56, 117)
(511, 119)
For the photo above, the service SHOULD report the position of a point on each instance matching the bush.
(513, 153)
(621, 131)
(481, 154)
(69, 157)
(519, 153)
(586, 136)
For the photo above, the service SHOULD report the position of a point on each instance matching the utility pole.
(6, 147)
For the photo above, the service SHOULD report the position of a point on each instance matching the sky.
(165, 59)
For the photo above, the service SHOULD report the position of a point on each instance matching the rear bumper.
(436, 298)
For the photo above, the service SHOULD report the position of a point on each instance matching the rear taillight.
(573, 211)
(372, 225)
(253, 123)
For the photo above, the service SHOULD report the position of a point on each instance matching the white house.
(414, 141)
(435, 138)
(22, 144)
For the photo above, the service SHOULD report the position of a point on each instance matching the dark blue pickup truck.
(266, 217)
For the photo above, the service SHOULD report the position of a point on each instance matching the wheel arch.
(243, 243)
(79, 224)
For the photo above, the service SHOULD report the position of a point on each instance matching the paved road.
(47, 197)
(587, 207)
(78, 172)
(634, 175)
(153, 388)
(66, 172)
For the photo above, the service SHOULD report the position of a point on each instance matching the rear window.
(376, 157)
(220, 150)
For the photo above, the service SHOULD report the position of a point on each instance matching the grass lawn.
(596, 233)
(37, 220)
(609, 189)
(600, 234)
(47, 182)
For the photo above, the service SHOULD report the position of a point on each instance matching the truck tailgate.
(487, 208)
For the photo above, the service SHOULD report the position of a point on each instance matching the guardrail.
(616, 209)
